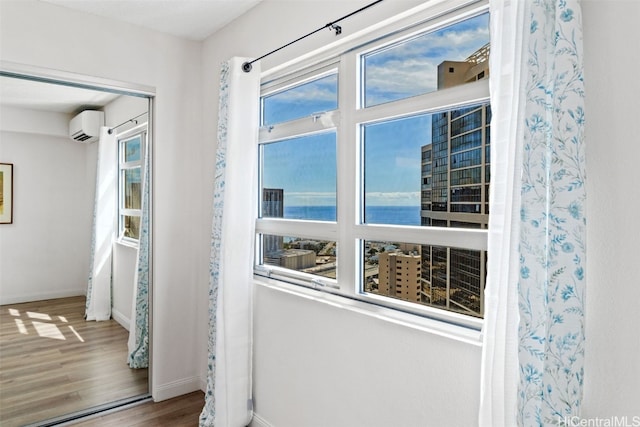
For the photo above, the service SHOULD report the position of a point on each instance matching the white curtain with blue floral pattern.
(533, 354)
(98, 302)
(138, 344)
(228, 398)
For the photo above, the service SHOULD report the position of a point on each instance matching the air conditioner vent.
(85, 127)
(81, 137)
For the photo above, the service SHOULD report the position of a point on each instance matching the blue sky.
(304, 100)
(391, 150)
(307, 175)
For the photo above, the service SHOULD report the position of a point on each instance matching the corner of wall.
(175, 388)
(258, 421)
(120, 318)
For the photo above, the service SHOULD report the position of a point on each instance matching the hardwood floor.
(182, 411)
(53, 362)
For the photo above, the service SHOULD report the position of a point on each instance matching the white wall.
(45, 252)
(124, 268)
(612, 354)
(317, 364)
(43, 35)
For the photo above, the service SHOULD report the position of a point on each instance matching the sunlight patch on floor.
(41, 316)
(76, 333)
(45, 330)
(48, 330)
(21, 328)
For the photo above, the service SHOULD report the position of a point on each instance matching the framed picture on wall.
(6, 193)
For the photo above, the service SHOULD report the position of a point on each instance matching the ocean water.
(397, 215)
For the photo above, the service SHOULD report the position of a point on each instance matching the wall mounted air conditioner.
(85, 127)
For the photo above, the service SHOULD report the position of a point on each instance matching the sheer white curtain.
(98, 304)
(499, 375)
(228, 399)
(532, 363)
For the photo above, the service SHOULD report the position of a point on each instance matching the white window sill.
(133, 244)
(428, 325)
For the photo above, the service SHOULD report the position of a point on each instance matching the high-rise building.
(455, 191)
(273, 246)
(273, 207)
(400, 275)
(273, 202)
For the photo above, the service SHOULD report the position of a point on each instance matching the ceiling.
(190, 19)
(35, 95)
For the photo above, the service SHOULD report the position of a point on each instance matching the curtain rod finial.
(246, 67)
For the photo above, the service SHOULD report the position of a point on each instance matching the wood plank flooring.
(182, 411)
(53, 362)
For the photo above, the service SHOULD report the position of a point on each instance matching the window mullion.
(447, 99)
(296, 128)
(322, 230)
(467, 238)
(130, 165)
(348, 182)
(130, 212)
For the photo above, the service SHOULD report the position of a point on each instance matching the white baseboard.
(40, 296)
(120, 318)
(258, 421)
(174, 389)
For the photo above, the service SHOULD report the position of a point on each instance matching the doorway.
(45, 251)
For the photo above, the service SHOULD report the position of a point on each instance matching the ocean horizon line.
(369, 206)
(384, 214)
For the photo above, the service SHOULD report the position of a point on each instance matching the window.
(374, 170)
(131, 147)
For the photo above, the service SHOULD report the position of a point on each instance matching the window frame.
(123, 166)
(349, 231)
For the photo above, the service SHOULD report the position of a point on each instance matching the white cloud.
(324, 89)
(309, 94)
(310, 198)
(411, 68)
(415, 75)
(407, 198)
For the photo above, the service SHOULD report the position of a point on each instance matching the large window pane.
(447, 57)
(299, 178)
(443, 277)
(304, 100)
(317, 257)
(132, 189)
(392, 174)
(132, 150)
(421, 170)
(131, 226)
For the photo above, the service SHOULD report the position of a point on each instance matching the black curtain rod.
(110, 131)
(246, 67)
